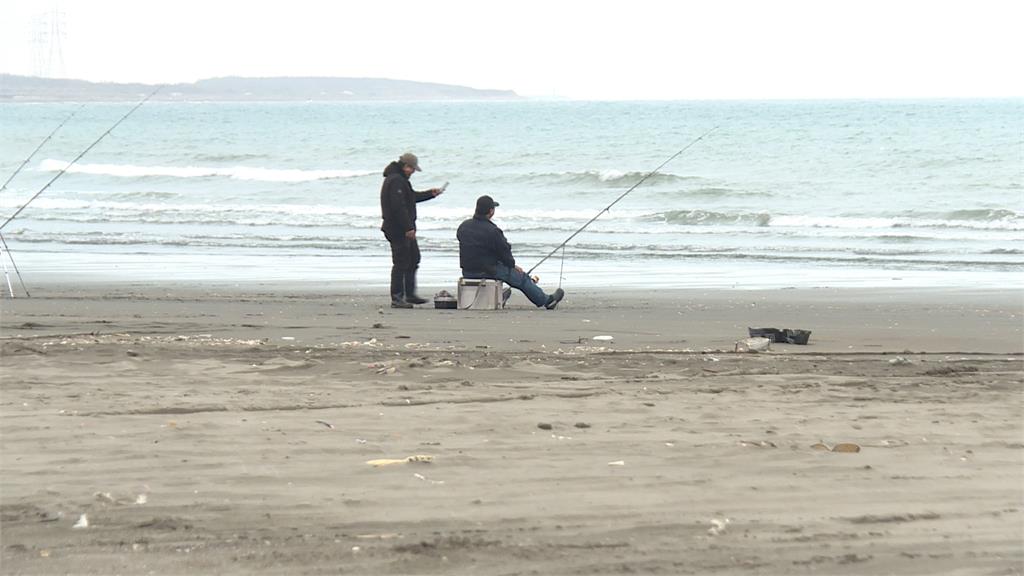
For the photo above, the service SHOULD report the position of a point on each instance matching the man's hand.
(520, 270)
(436, 192)
(411, 234)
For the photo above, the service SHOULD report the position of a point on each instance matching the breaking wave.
(998, 220)
(234, 172)
(708, 218)
(983, 215)
(608, 178)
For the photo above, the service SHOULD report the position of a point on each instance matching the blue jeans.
(516, 279)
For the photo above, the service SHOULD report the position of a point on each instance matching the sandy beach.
(233, 430)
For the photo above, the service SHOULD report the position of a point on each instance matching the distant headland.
(237, 89)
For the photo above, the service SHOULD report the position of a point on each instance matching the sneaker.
(400, 304)
(415, 300)
(505, 295)
(554, 299)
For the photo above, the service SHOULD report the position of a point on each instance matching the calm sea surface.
(866, 193)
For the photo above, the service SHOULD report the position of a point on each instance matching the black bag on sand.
(784, 336)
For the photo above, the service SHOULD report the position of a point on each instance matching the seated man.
(485, 253)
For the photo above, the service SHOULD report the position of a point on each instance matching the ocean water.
(781, 194)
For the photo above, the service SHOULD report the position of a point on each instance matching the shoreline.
(355, 272)
(841, 319)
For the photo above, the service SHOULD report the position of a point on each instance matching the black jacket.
(398, 202)
(482, 245)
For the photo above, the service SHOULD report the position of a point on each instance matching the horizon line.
(516, 95)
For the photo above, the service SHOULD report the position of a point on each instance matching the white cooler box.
(482, 294)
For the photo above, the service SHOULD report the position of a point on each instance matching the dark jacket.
(398, 202)
(482, 245)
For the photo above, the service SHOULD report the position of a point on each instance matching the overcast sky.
(626, 49)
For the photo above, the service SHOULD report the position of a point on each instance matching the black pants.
(405, 260)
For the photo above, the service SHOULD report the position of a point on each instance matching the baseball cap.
(410, 159)
(484, 205)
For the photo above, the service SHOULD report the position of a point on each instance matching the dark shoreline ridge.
(233, 89)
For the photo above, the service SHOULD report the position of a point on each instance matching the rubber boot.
(410, 289)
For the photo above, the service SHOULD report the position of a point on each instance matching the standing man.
(398, 208)
(485, 253)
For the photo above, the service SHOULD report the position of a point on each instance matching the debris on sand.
(847, 447)
(544, 426)
(371, 343)
(83, 522)
(386, 370)
(416, 459)
(758, 443)
(425, 479)
(325, 423)
(756, 344)
(718, 526)
(104, 497)
(383, 536)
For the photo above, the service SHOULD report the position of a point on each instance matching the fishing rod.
(41, 144)
(623, 195)
(16, 271)
(4, 187)
(79, 157)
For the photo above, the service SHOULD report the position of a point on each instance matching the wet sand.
(227, 429)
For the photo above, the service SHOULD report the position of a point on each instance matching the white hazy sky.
(626, 49)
